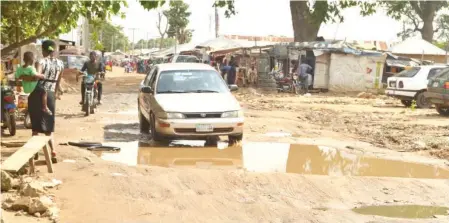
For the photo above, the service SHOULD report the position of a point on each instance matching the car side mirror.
(146, 89)
(233, 87)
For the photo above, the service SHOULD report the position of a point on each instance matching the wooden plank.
(27, 151)
(48, 158)
(32, 167)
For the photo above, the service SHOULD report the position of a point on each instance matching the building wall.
(436, 58)
(349, 73)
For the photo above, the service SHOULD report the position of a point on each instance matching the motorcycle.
(90, 94)
(285, 84)
(8, 112)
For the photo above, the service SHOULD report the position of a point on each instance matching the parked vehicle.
(285, 84)
(8, 113)
(438, 92)
(90, 95)
(411, 84)
(188, 100)
(182, 59)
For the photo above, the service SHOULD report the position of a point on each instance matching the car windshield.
(408, 73)
(191, 81)
(186, 59)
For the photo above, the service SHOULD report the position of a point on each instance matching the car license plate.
(204, 128)
(435, 84)
(285, 87)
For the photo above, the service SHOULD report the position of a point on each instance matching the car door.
(143, 97)
(150, 99)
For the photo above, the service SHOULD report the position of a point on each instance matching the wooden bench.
(26, 154)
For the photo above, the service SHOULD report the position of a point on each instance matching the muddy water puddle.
(268, 157)
(403, 211)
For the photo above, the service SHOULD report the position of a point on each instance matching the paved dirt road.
(95, 190)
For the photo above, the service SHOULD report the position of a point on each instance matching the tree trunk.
(427, 29)
(303, 27)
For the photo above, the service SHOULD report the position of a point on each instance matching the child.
(29, 86)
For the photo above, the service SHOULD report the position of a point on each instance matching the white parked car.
(411, 84)
(182, 59)
(188, 100)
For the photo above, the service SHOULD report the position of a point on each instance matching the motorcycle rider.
(95, 67)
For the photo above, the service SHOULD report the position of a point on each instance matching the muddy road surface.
(323, 158)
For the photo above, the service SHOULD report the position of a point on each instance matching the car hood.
(198, 102)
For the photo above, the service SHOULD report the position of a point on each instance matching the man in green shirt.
(93, 67)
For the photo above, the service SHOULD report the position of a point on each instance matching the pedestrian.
(232, 72)
(28, 69)
(49, 71)
(304, 70)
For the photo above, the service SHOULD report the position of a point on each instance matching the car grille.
(202, 115)
(193, 130)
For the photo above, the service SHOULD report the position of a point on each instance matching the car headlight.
(232, 114)
(170, 115)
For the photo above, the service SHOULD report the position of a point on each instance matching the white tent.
(220, 44)
(416, 46)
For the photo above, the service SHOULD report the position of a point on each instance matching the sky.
(268, 17)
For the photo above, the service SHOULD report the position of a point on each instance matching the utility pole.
(217, 22)
(133, 29)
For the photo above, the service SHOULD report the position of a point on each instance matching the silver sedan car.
(188, 100)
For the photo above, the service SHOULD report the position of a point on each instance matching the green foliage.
(413, 105)
(416, 14)
(154, 43)
(24, 22)
(228, 5)
(442, 22)
(178, 19)
(107, 35)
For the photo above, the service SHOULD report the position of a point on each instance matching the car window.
(153, 78)
(186, 59)
(433, 72)
(444, 74)
(408, 73)
(191, 81)
(146, 82)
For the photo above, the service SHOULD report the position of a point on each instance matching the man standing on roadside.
(304, 71)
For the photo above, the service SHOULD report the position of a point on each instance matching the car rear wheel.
(235, 138)
(444, 111)
(421, 101)
(406, 103)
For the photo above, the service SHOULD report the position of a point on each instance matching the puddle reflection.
(403, 211)
(268, 157)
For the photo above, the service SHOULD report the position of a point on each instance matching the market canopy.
(416, 46)
(176, 49)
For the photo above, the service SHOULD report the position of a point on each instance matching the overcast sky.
(267, 17)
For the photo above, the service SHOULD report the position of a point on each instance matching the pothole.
(403, 211)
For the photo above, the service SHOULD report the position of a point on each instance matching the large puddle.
(269, 157)
(403, 211)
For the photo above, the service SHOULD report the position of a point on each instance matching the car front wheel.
(235, 138)
(154, 134)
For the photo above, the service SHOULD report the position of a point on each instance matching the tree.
(48, 19)
(160, 28)
(112, 37)
(420, 14)
(178, 19)
(155, 43)
(307, 16)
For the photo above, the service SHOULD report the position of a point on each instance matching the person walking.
(304, 70)
(49, 73)
(232, 72)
